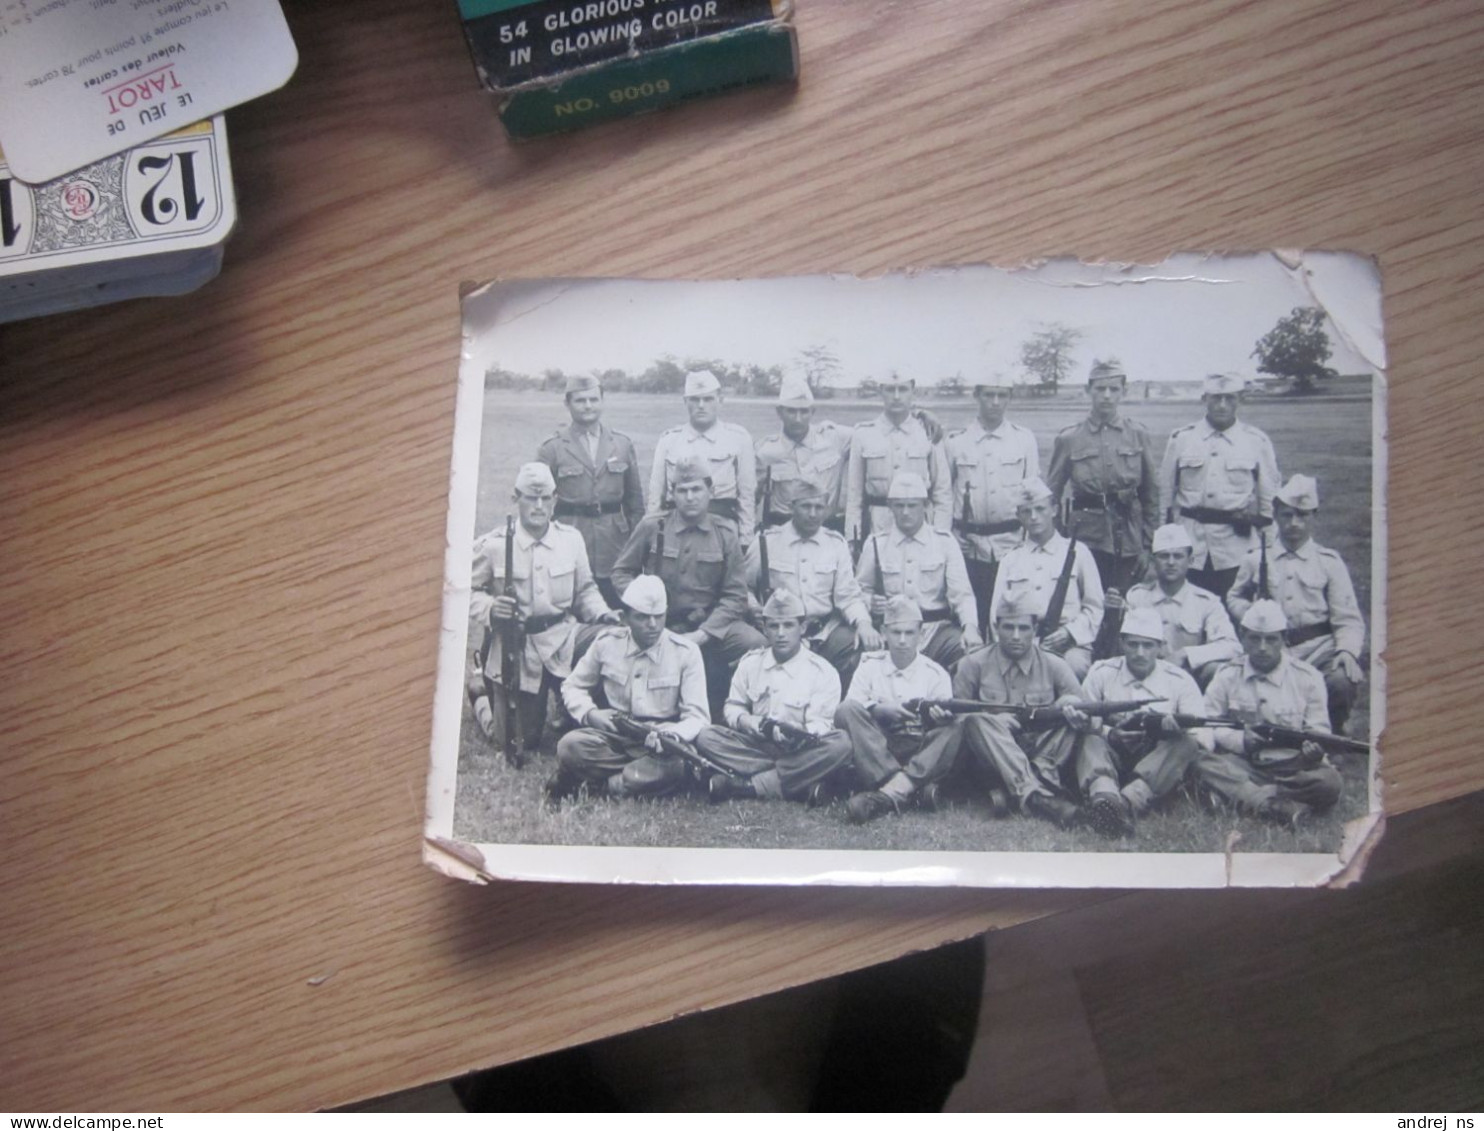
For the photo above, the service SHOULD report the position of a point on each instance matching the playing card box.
(558, 65)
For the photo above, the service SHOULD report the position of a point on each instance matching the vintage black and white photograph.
(1066, 575)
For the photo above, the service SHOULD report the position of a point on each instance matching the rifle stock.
(1288, 737)
(635, 731)
(1263, 592)
(786, 734)
(1029, 716)
(511, 646)
(1054, 607)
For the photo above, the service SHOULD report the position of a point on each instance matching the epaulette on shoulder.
(957, 432)
(758, 651)
(673, 431)
(1306, 669)
(1111, 663)
(557, 524)
(617, 435)
(1182, 428)
(681, 641)
(830, 532)
(1143, 587)
(1326, 552)
(1076, 424)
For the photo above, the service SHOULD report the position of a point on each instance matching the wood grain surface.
(222, 516)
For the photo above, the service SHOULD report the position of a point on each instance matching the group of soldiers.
(894, 617)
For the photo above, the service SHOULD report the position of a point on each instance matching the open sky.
(1177, 321)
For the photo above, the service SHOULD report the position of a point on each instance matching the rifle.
(656, 547)
(862, 532)
(1263, 592)
(767, 492)
(632, 729)
(879, 580)
(1052, 620)
(1270, 733)
(1030, 717)
(764, 577)
(512, 644)
(787, 735)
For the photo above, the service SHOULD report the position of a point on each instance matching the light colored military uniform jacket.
(551, 576)
(927, 566)
(610, 477)
(877, 679)
(1176, 691)
(1036, 569)
(986, 467)
(817, 570)
(878, 450)
(665, 681)
(1291, 695)
(1313, 585)
(1194, 619)
(819, 460)
(726, 449)
(803, 690)
(1226, 470)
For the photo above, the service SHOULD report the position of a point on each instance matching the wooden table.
(222, 516)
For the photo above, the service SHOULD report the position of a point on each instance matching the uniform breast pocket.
(892, 579)
(1241, 476)
(931, 577)
(1039, 698)
(709, 568)
(1312, 580)
(563, 580)
(1190, 474)
(661, 695)
(823, 463)
(1192, 621)
(820, 579)
(570, 469)
(793, 705)
(876, 457)
(1130, 458)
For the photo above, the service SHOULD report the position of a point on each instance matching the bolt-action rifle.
(512, 644)
(787, 735)
(764, 578)
(1052, 620)
(632, 729)
(1032, 718)
(1270, 733)
(1263, 592)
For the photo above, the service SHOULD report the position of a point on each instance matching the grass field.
(1329, 439)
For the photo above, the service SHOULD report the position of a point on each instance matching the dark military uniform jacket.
(700, 564)
(601, 496)
(1108, 473)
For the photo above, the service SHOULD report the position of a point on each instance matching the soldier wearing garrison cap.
(1127, 763)
(807, 455)
(782, 683)
(643, 670)
(1270, 685)
(900, 439)
(556, 603)
(987, 461)
(1198, 633)
(1313, 586)
(725, 449)
(1217, 480)
(699, 557)
(1103, 472)
(598, 487)
(912, 558)
(1034, 568)
(898, 760)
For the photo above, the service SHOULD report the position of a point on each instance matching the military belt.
(535, 625)
(984, 529)
(586, 510)
(1240, 521)
(1305, 633)
(651, 721)
(877, 501)
(930, 616)
(1102, 501)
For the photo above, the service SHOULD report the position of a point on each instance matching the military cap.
(701, 383)
(1300, 492)
(1218, 383)
(581, 382)
(1031, 490)
(794, 392)
(807, 489)
(783, 605)
(646, 594)
(893, 379)
(534, 477)
(996, 381)
(1105, 369)
(1142, 622)
(901, 610)
(1021, 603)
(1171, 536)
(907, 485)
(1265, 616)
(691, 470)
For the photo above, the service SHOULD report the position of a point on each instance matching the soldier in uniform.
(897, 761)
(897, 440)
(1015, 670)
(1102, 471)
(1217, 480)
(724, 449)
(806, 454)
(643, 670)
(554, 591)
(1269, 686)
(1199, 635)
(783, 682)
(1126, 767)
(910, 557)
(1310, 582)
(987, 461)
(813, 563)
(597, 477)
(698, 556)
(1035, 567)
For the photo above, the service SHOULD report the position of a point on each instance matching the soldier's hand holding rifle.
(504, 608)
(601, 718)
(1057, 642)
(1078, 719)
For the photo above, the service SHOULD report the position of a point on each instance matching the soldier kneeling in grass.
(780, 740)
(1147, 752)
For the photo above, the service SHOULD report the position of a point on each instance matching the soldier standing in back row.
(988, 460)
(807, 454)
(1217, 480)
(1105, 466)
(896, 441)
(724, 449)
(598, 489)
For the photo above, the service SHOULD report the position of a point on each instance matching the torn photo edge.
(1347, 286)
